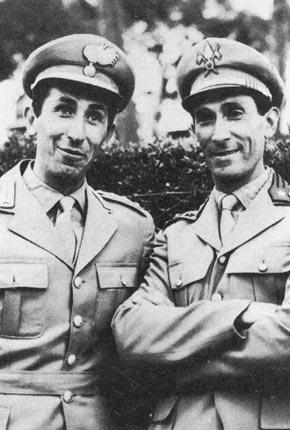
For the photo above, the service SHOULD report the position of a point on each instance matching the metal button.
(179, 282)
(263, 267)
(223, 259)
(78, 321)
(123, 282)
(71, 359)
(68, 396)
(78, 282)
(216, 297)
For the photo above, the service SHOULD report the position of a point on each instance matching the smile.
(74, 153)
(224, 153)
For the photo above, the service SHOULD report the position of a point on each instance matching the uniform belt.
(51, 383)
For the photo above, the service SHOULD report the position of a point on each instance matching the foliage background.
(166, 177)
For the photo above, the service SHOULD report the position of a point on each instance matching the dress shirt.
(245, 194)
(49, 199)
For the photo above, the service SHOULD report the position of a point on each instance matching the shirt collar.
(248, 192)
(48, 197)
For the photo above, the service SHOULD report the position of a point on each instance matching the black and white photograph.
(144, 214)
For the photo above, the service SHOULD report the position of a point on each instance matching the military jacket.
(57, 355)
(183, 321)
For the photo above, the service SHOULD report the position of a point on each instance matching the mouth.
(224, 153)
(70, 152)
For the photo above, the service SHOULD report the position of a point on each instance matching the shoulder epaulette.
(123, 200)
(191, 216)
(279, 191)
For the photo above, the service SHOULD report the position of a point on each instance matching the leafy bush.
(167, 177)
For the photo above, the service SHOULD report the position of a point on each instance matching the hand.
(255, 312)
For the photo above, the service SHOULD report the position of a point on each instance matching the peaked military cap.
(218, 63)
(85, 58)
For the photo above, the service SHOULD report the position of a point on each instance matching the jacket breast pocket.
(262, 270)
(116, 282)
(4, 417)
(22, 291)
(187, 280)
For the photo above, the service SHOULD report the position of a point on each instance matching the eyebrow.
(94, 105)
(200, 112)
(65, 99)
(233, 104)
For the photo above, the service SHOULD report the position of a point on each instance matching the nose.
(76, 130)
(221, 131)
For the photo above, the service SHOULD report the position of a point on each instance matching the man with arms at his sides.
(211, 310)
(69, 255)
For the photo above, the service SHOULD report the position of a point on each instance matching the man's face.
(232, 134)
(70, 130)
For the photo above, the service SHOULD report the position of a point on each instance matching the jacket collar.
(260, 215)
(206, 226)
(31, 222)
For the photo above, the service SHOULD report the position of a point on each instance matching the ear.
(111, 131)
(29, 116)
(272, 118)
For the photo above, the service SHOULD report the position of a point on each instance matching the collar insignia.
(208, 58)
(103, 54)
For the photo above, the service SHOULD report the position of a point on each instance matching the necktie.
(227, 221)
(64, 226)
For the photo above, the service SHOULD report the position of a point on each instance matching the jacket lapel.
(207, 225)
(99, 228)
(259, 216)
(31, 222)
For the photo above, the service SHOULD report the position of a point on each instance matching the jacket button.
(71, 359)
(123, 282)
(179, 282)
(67, 396)
(263, 267)
(78, 282)
(78, 321)
(223, 260)
(216, 297)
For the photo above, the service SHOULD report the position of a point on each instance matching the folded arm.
(150, 328)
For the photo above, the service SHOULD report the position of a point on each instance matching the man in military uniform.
(212, 311)
(69, 255)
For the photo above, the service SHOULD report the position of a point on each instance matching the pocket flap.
(117, 276)
(163, 409)
(274, 259)
(24, 275)
(186, 273)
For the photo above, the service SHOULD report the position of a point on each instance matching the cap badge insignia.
(102, 54)
(208, 58)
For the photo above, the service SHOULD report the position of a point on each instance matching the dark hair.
(41, 92)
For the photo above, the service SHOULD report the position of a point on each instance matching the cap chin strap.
(75, 73)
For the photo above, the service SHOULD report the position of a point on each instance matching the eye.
(96, 116)
(204, 121)
(64, 110)
(235, 113)
(204, 117)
